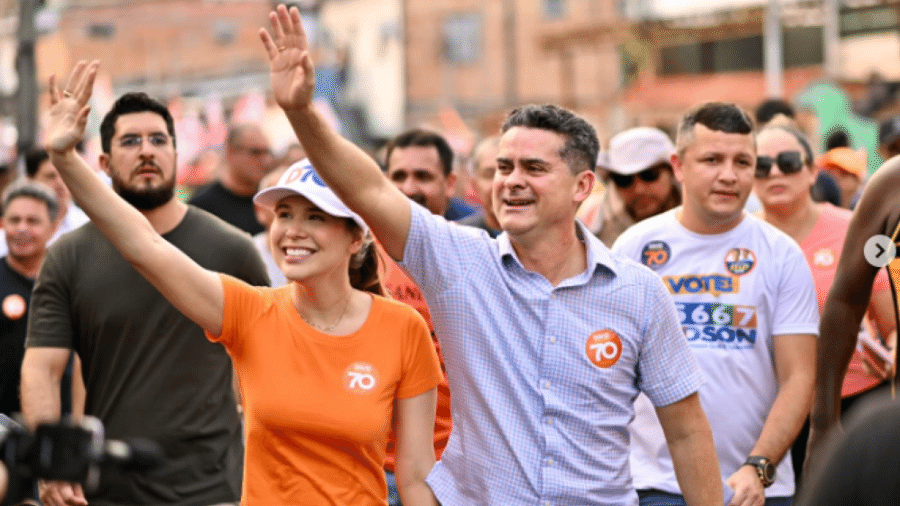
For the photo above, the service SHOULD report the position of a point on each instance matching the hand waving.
(69, 108)
(291, 69)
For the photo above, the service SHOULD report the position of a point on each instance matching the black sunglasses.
(789, 162)
(647, 175)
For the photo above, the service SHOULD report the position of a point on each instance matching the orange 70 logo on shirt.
(603, 348)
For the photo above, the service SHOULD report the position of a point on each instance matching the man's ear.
(451, 184)
(584, 184)
(104, 163)
(675, 159)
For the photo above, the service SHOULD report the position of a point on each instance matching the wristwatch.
(764, 469)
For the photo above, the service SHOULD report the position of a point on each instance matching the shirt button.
(552, 340)
(546, 503)
(549, 421)
(546, 384)
(549, 462)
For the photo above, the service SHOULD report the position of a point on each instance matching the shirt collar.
(598, 255)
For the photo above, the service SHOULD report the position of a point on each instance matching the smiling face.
(28, 228)
(716, 174)
(141, 160)
(534, 190)
(779, 189)
(307, 242)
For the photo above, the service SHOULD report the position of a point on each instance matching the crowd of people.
(655, 321)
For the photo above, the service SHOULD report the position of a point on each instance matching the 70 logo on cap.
(603, 348)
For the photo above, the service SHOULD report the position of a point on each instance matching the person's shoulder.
(207, 225)
(458, 208)
(475, 219)
(654, 226)
(84, 236)
(769, 233)
(394, 307)
(209, 191)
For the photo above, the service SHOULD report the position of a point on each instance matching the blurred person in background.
(265, 216)
(29, 220)
(420, 163)
(292, 154)
(889, 137)
(639, 183)
(40, 169)
(771, 108)
(482, 167)
(784, 176)
(848, 169)
(248, 157)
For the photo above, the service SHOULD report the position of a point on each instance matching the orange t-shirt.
(822, 249)
(402, 288)
(317, 407)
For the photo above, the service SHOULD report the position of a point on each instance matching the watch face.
(764, 469)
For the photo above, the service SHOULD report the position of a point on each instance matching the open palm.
(69, 108)
(291, 70)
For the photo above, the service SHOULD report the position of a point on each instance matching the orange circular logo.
(603, 348)
(824, 258)
(14, 306)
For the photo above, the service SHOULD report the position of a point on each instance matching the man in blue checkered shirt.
(547, 336)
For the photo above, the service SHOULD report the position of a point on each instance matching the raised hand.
(69, 108)
(291, 70)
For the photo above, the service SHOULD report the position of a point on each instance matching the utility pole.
(510, 55)
(26, 105)
(773, 62)
(831, 34)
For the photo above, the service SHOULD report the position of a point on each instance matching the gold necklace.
(328, 328)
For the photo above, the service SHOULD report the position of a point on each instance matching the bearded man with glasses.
(639, 181)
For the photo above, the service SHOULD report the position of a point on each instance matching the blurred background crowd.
(457, 66)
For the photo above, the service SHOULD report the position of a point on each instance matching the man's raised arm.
(347, 169)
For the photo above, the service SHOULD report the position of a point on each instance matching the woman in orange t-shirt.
(784, 176)
(326, 366)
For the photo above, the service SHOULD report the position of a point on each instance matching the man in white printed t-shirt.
(747, 304)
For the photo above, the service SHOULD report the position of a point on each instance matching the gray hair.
(33, 190)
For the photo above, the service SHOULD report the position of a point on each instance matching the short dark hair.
(422, 138)
(717, 116)
(581, 146)
(129, 103)
(838, 138)
(36, 191)
(34, 157)
(771, 108)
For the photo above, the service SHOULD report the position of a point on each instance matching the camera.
(66, 451)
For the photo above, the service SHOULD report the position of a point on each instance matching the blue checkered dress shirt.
(536, 420)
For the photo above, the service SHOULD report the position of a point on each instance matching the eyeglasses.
(133, 141)
(256, 152)
(789, 162)
(647, 175)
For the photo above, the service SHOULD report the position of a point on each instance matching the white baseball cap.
(302, 179)
(638, 148)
